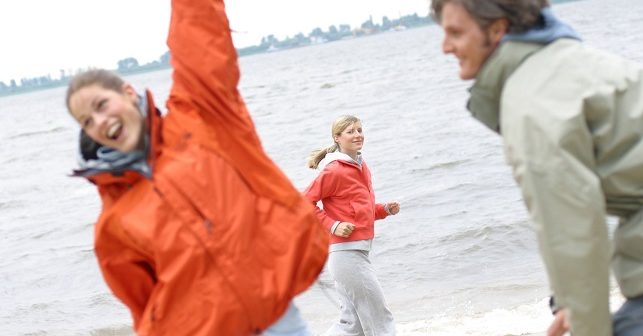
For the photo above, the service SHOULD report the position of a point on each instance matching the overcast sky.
(38, 37)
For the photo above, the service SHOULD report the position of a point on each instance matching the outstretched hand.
(393, 207)
(560, 325)
(344, 229)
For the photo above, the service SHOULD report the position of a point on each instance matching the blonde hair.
(339, 125)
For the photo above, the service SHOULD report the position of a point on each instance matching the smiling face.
(466, 40)
(109, 117)
(351, 139)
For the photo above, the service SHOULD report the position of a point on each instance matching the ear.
(129, 91)
(497, 30)
(336, 138)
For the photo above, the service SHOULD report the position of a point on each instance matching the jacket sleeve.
(204, 99)
(552, 159)
(323, 186)
(204, 60)
(129, 276)
(380, 211)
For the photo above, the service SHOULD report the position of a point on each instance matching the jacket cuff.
(552, 305)
(387, 210)
(334, 227)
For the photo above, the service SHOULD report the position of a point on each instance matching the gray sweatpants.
(628, 320)
(363, 310)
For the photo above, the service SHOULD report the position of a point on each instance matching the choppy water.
(460, 259)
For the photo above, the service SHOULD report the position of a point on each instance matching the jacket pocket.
(362, 213)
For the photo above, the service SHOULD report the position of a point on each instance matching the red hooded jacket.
(346, 192)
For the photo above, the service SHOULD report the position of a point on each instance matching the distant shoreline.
(269, 44)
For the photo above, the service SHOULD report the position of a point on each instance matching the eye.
(86, 122)
(101, 104)
(453, 33)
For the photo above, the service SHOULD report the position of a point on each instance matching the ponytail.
(317, 155)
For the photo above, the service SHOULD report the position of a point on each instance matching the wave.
(530, 319)
(54, 130)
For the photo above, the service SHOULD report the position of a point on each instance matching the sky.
(40, 37)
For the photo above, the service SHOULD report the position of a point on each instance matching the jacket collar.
(339, 156)
(484, 102)
(548, 30)
(104, 166)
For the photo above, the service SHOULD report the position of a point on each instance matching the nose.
(447, 46)
(99, 123)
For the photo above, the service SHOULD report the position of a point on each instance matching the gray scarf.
(116, 162)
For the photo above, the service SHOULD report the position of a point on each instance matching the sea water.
(460, 259)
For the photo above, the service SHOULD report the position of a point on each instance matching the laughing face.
(467, 41)
(110, 118)
(351, 139)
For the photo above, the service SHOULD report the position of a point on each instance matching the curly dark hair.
(521, 14)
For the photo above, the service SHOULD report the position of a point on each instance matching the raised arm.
(204, 100)
(206, 73)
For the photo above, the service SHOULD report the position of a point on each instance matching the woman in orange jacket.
(200, 233)
(349, 212)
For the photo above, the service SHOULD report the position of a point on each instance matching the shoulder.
(332, 168)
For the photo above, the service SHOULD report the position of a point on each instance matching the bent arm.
(319, 189)
(565, 201)
(129, 277)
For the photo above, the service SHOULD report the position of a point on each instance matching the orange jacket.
(217, 241)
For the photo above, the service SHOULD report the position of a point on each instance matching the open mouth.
(114, 131)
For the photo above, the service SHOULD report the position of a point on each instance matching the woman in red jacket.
(349, 213)
(200, 233)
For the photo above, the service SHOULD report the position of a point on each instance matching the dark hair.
(104, 78)
(88, 146)
(521, 14)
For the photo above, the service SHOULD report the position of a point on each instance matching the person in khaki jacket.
(571, 119)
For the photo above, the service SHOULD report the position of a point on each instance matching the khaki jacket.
(572, 123)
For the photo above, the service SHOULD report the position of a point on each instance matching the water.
(460, 258)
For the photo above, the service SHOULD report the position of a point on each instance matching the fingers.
(394, 207)
(344, 229)
(560, 325)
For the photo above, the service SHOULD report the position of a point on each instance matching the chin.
(466, 75)
(127, 147)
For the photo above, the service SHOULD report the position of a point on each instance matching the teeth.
(113, 130)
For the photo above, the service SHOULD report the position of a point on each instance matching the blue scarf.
(551, 30)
